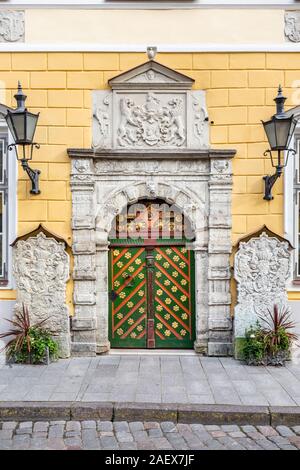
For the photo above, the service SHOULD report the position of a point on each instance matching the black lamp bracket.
(270, 180)
(33, 174)
(24, 157)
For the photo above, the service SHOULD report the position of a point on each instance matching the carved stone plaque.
(292, 26)
(151, 120)
(41, 269)
(261, 268)
(150, 107)
(12, 26)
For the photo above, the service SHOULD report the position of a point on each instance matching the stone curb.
(131, 411)
(223, 414)
(286, 415)
(145, 412)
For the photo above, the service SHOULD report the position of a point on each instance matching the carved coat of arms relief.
(151, 123)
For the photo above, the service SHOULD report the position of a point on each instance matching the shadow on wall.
(6, 311)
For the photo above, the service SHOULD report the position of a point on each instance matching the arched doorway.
(151, 278)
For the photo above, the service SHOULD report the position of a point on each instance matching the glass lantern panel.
(292, 130)
(31, 123)
(11, 126)
(282, 132)
(18, 121)
(270, 132)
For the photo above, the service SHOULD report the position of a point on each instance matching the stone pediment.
(150, 107)
(151, 75)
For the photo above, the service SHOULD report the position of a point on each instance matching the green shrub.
(29, 343)
(40, 339)
(254, 346)
(270, 341)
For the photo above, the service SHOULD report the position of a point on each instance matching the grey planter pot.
(278, 359)
(45, 360)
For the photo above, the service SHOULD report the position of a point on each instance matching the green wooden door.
(151, 297)
(128, 297)
(174, 297)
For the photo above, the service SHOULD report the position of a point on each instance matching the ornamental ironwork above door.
(151, 220)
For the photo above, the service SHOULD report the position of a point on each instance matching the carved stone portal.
(262, 268)
(150, 141)
(41, 269)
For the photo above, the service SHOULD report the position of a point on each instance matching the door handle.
(130, 280)
(113, 295)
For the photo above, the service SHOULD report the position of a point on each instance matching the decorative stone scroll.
(12, 26)
(262, 267)
(292, 26)
(41, 269)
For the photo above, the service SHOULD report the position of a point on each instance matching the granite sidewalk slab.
(157, 378)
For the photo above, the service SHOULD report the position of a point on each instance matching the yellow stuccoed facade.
(240, 88)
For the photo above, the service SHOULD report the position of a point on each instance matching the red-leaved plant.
(20, 331)
(276, 326)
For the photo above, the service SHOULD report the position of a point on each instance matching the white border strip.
(152, 5)
(97, 47)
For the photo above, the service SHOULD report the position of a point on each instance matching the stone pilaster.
(84, 322)
(219, 249)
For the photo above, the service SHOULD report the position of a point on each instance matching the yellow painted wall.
(240, 90)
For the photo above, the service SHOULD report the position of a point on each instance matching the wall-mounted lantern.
(22, 125)
(279, 130)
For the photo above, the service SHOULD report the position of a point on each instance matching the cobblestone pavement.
(174, 379)
(97, 435)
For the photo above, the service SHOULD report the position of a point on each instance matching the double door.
(151, 297)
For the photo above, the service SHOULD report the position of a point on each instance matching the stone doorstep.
(132, 411)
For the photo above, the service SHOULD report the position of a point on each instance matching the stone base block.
(83, 324)
(200, 347)
(83, 349)
(64, 345)
(103, 348)
(219, 349)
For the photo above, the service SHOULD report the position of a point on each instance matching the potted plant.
(31, 344)
(270, 341)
